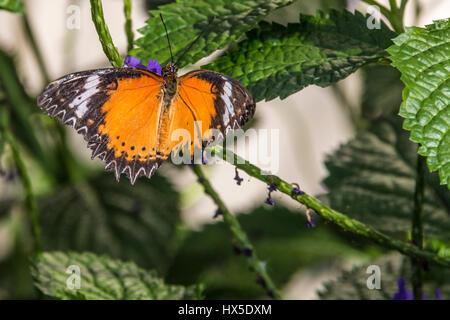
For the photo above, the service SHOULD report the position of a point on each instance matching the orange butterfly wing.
(116, 110)
(216, 100)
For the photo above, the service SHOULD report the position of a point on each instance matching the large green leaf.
(127, 222)
(277, 61)
(12, 5)
(102, 278)
(423, 57)
(352, 285)
(280, 237)
(372, 179)
(186, 19)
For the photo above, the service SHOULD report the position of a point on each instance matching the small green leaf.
(423, 57)
(352, 285)
(372, 179)
(12, 5)
(186, 19)
(127, 222)
(102, 278)
(277, 61)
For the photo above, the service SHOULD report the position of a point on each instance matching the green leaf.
(372, 179)
(186, 19)
(280, 237)
(352, 285)
(277, 61)
(12, 5)
(102, 278)
(423, 57)
(127, 222)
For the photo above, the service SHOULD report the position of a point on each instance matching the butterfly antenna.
(193, 42)
(167, 35)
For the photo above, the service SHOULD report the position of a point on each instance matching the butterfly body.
(130, 116)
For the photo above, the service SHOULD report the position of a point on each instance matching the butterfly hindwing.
(220, 102)
(107, 106)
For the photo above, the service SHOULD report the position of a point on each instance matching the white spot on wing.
(81, 109)
(226, 95)
(82, 100)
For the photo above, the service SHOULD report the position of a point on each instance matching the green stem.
(385, 11)
(350, 225)
(30, 200)
(417, 226)
(128, 23)
(103, 34)
(34, 46)
(394, 14)
(244, 244)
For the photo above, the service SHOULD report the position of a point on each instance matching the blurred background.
(167, 223)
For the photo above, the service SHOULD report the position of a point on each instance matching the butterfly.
(128, 115)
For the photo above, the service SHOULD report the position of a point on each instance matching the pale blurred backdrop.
(311, 123)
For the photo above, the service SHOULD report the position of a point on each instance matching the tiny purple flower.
(270, 201)
(310, 223)
(154, 66)
(272, 187)
(296, 190)
(437, 293)
(133, 62)
(402, 293)
(237, 178)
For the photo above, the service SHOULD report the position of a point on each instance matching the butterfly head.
(170, 71)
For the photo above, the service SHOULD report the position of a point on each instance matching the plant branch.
(394, 14)
(244, 244)
(417, 226)
(384, 10)
(103, 34)
(350, 225)
(34, 46)
(30, 200)
(128, 23)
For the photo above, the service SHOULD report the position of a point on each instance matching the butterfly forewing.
(114, 109)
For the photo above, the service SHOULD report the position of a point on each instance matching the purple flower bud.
(310, 223)
(296, 191)
(133, 62)
(437, 293)
(237, 178)
(272, 187)
(154, 66)
(402, 293)
(270, 201)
